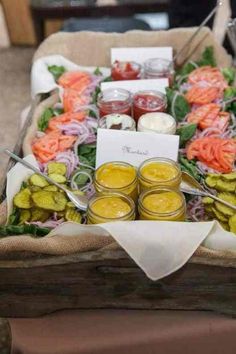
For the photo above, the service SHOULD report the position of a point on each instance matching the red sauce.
(125, 71)
(114, 107)
(146, 102)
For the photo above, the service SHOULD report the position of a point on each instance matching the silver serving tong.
(204, 22)
(80, 201)
(190, 186)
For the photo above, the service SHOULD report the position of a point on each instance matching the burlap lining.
(77, 47)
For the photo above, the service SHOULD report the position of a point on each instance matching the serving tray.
(36, 284)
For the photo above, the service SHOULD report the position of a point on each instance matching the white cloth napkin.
(42, 80)
(158, 247)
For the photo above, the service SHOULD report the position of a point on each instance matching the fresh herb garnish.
(97, 72)
(208, 57)
(87, 154)
(229, 75)
(230, 93)
(190, 167)
(33, 230)
(14, 217)
(56, 71)
(186, 133)
(178, 106)
(44, 119)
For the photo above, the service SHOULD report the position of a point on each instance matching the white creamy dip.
(158, 122)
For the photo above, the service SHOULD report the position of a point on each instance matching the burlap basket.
(93, 49)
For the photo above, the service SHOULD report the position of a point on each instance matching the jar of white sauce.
(157, 122)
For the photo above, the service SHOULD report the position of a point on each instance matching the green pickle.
(232, 223)
(25, 216)
(54, 201)
(73, 215)
(51, 188)
(39, 181)
(39, 215)
(211, 180)
(56, 177)
(22, 199)
(56, 167)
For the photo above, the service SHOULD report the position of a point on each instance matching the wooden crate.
(110, 279)
(33, 285)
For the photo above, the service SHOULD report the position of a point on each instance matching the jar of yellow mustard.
(118, 177)
(162, 204)
(157, 172)
(110, 207)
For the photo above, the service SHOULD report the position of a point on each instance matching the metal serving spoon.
(80, 201)
(190, 186)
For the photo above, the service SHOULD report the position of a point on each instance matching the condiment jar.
(159, 68)
(110, 207)
(125, 70)
(117, 121)
(114, 100)
(158, 122)
(159, 172)
(118, 177)
(162, 204)
(148, 101)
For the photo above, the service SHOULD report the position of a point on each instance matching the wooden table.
(44, 10)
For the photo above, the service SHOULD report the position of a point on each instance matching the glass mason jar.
(148, 101)
(110, 207)
(117, 121)
(159, 172)
(114, 100)
(162, 204)
(159, 68)
(118, 177)
(157, 122)
(125, 70)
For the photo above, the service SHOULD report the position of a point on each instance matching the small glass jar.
(159, 68)
(117, 121)
(159, 172)
(157, 122)
(125, 70)
(110, 207)
(114, 100)
(162, 204)
(147, 102)
(118, 177)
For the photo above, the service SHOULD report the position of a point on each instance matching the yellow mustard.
(110, 207)
(159, 172)
(162, 204)
(117, 177)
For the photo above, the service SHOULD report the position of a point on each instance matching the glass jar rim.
(169, 64)
(109, 195)
(101, 95)
(103, 118)
(117, 163)
(123, 62)
(159, 159)
(153, 93)
(161, 189)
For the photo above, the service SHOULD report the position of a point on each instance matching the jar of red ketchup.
(159, 68)
(148, 101)
(114, 101)
(125, 70)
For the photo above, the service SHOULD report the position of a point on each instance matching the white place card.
(137, 85)
(141, 54)
(134, 147)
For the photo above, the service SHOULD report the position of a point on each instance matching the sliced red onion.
(73, 183)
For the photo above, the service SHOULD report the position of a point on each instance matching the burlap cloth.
(87, 48)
